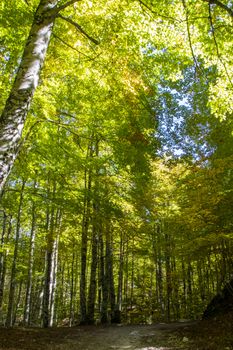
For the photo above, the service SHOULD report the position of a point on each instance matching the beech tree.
(119, 205)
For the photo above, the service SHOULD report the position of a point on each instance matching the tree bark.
(17, 105)
(95, 239)
(103, 283)
(14, 114)
(50, 225)
(30, 265)
(72, 285)
(2, 240)
(4, 263)
(168, 277)
(10, 311)
(17, 302)
(85, 226)
(117, 316)
(109, 271)
(54, 267)
(92, 285)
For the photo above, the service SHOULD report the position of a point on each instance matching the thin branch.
(64, 126)
(77, 26)
(216, 45)
(68, 3)
(88, 58)
(220, 4)
(189, 34)
(158, 14)
(68, 45)
(23, 141)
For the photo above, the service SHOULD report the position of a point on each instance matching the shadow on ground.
(206, 335)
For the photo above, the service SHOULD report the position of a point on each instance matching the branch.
(68, 3)
(158, 14)
(44, 120)
(216, 45)
(189, 34)
(68, 45)
(220, 4)
(23, 141)
(88, 58)
(77, 26)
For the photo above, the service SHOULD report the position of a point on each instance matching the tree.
(26, 81)
(126, 214)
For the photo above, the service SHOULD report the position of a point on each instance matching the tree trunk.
(109, 266)
(126, 280)
(17, 105)
(103, 283)
(17, 302)
(2, 241)
(95, 238)
(10, 311)
(30, 266)
(53, 283)
(49, 260)
(160, 277)
(62, 296)
(168, 277)
(175, 283)
(132, 277)
(85, 226)
(118, 310)
(112, 293)
(184, 287)
(108, 289)
(72, 286)
(190, 288)
(94, 263)
(53, 277)
(4, 262)
(156, 244)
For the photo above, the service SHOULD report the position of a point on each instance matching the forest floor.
(214, 334)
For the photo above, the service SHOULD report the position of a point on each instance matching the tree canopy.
(116, 159)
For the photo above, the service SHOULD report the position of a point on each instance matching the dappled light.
(116, 175)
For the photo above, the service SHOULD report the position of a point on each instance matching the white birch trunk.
(17, 105)
(53, 283)
(53, 275)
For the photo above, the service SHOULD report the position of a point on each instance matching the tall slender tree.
(26, 81)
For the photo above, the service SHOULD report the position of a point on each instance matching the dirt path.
(154, 337)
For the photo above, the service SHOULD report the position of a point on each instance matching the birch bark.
(17, 105)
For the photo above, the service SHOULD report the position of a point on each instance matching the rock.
(134, 333)
(185, 339)
(221, 303)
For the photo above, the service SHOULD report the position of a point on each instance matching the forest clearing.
(116, 174)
